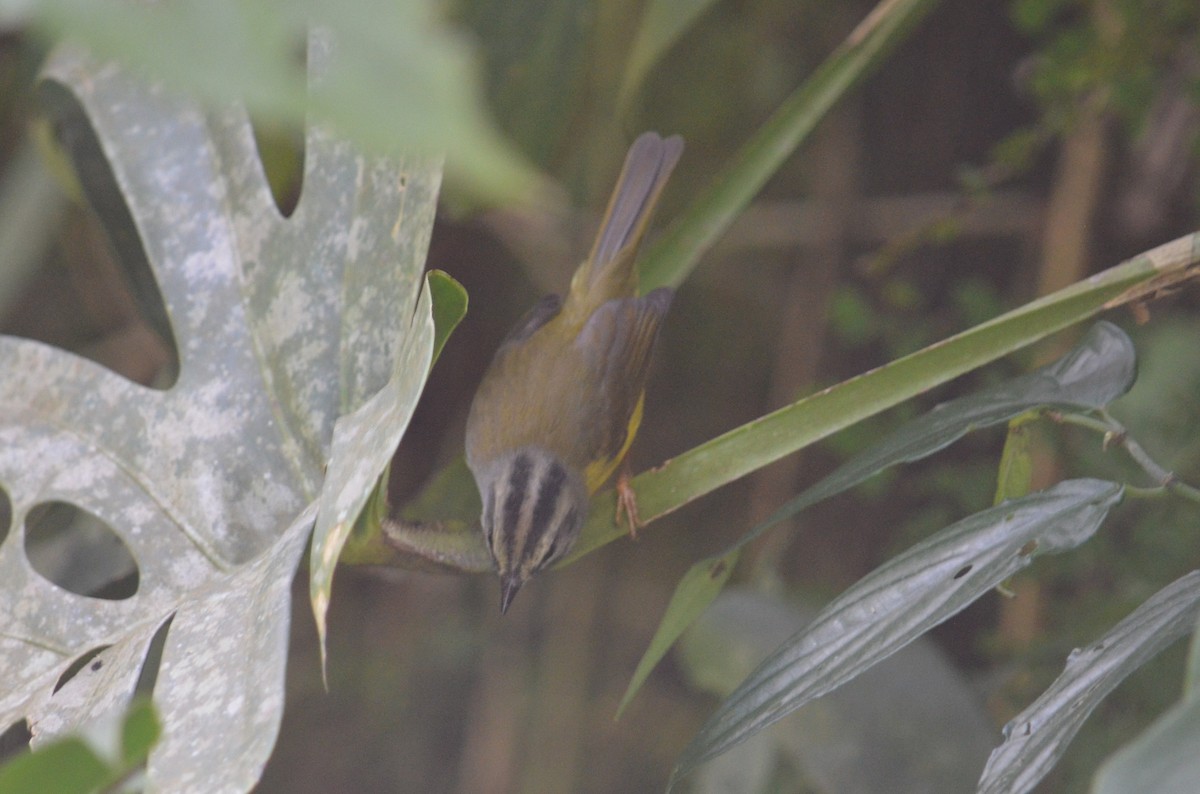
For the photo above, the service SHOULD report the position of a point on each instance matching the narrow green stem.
(1116, 434)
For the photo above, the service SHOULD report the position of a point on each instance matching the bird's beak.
(509, 585)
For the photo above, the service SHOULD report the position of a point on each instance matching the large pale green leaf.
(282, 326)
(898, 602)
(1097, 371)
(1037, 737)
(363, 444)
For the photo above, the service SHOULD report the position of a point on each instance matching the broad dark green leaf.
(1037, 737)
(901, 600)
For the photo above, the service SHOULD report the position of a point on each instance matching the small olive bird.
(562, 399)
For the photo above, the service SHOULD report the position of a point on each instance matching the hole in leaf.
(966, 569)
(79, 552)
(94, 293)
(281, 151)
(5, 515)
(80, 663)
(281, 147)
(148, 677)
(14, 740)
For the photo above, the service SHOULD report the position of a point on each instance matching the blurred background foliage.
(1003, 151)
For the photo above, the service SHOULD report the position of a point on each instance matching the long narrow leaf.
(663, 22)
(1038, 736)
(901, 600)
(680, 248)
(699, 586)
(1100, 369)
(769, 438)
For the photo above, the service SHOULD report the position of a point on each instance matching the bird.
(562, 399)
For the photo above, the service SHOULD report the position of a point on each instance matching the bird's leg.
(627, 502)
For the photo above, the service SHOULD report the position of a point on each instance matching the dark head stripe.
(549, 490)
(518, 486)
(489, 515)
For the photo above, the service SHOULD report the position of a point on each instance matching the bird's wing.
(616, 345)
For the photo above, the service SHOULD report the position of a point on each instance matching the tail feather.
(647, 167)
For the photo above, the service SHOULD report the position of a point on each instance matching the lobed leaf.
(282, 325)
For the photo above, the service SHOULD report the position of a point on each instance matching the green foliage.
(1121, 50)
(940, 576)
(900, 601)
(402, 82)
(1115, 56)
(336, 448)
(82, 765)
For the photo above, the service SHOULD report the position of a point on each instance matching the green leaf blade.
(1098, 370)
(663, 23)
(673, 256)
(696, 590)
(449, 307)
